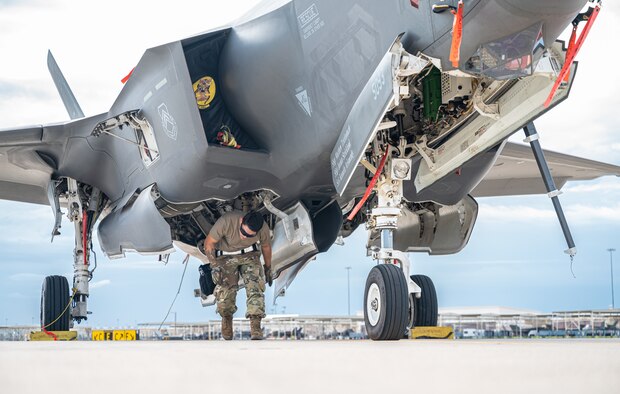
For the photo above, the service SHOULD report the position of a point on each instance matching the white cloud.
(67, 29)
(493, 262)
(28, 225)
(575, 213)
(26, 277)
(606, 186)
(18, 296)
(586, 123)
(589, 213)
(513, 213)
(134, 261)
(100, 283)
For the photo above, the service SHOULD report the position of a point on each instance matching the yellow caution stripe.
(53, 336)
(432, 333)
(115, 335)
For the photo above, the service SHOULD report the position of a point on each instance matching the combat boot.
(256, 331)
(227, 327)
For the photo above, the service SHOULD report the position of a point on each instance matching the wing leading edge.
(515, 172)
(25, 173)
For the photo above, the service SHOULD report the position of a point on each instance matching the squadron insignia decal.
(204, 89)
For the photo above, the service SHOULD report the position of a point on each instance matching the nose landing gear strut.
(394, 302)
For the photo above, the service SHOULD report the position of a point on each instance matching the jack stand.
(552, 192)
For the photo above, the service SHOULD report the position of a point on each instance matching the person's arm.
(210, 248)
(213, 238)
(265, 246)
(266, 249)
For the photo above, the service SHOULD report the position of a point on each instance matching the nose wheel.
(386, 305)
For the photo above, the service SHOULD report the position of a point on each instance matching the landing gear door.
(444, 230)
(294, 247)
(362, 122)
(52, 196)
(138, 227)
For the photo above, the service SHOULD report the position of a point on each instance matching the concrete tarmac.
(407, 366)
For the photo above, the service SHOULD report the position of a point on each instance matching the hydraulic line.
(370, 186)
(84, 235)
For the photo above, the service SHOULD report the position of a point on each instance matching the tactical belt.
(249, 249)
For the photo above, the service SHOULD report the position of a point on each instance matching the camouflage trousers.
(225, 272)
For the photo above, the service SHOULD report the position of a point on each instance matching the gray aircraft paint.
(328, 48)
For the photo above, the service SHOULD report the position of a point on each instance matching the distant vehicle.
(472, 333)
(546, 333)
(351, 334)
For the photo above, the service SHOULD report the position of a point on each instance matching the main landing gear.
(60, 306)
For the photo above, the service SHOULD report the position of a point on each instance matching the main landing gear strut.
(59, 305)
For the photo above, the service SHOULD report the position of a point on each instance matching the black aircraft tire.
(385, 303)
(54, 300)
(426, 309)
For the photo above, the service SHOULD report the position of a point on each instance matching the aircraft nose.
(555, 14)
(496, 32)
(545, 7)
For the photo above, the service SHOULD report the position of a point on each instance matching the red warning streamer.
(128, 75)
(84, 236)
(51, 334)
(370, 186)
(571, 52)
(457, 35)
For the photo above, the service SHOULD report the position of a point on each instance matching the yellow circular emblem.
(204, 89)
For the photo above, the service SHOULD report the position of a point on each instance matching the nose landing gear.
(394, 300)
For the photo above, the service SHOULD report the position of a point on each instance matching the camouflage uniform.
(225, 271)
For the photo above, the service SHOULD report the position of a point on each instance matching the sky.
(515, 255)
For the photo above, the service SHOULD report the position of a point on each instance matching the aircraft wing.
(25, 170)
(516, 173)
(31, 156)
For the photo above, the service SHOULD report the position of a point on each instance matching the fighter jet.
(323, 116)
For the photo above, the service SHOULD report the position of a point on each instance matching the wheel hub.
(373, 304)
(411, 312)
